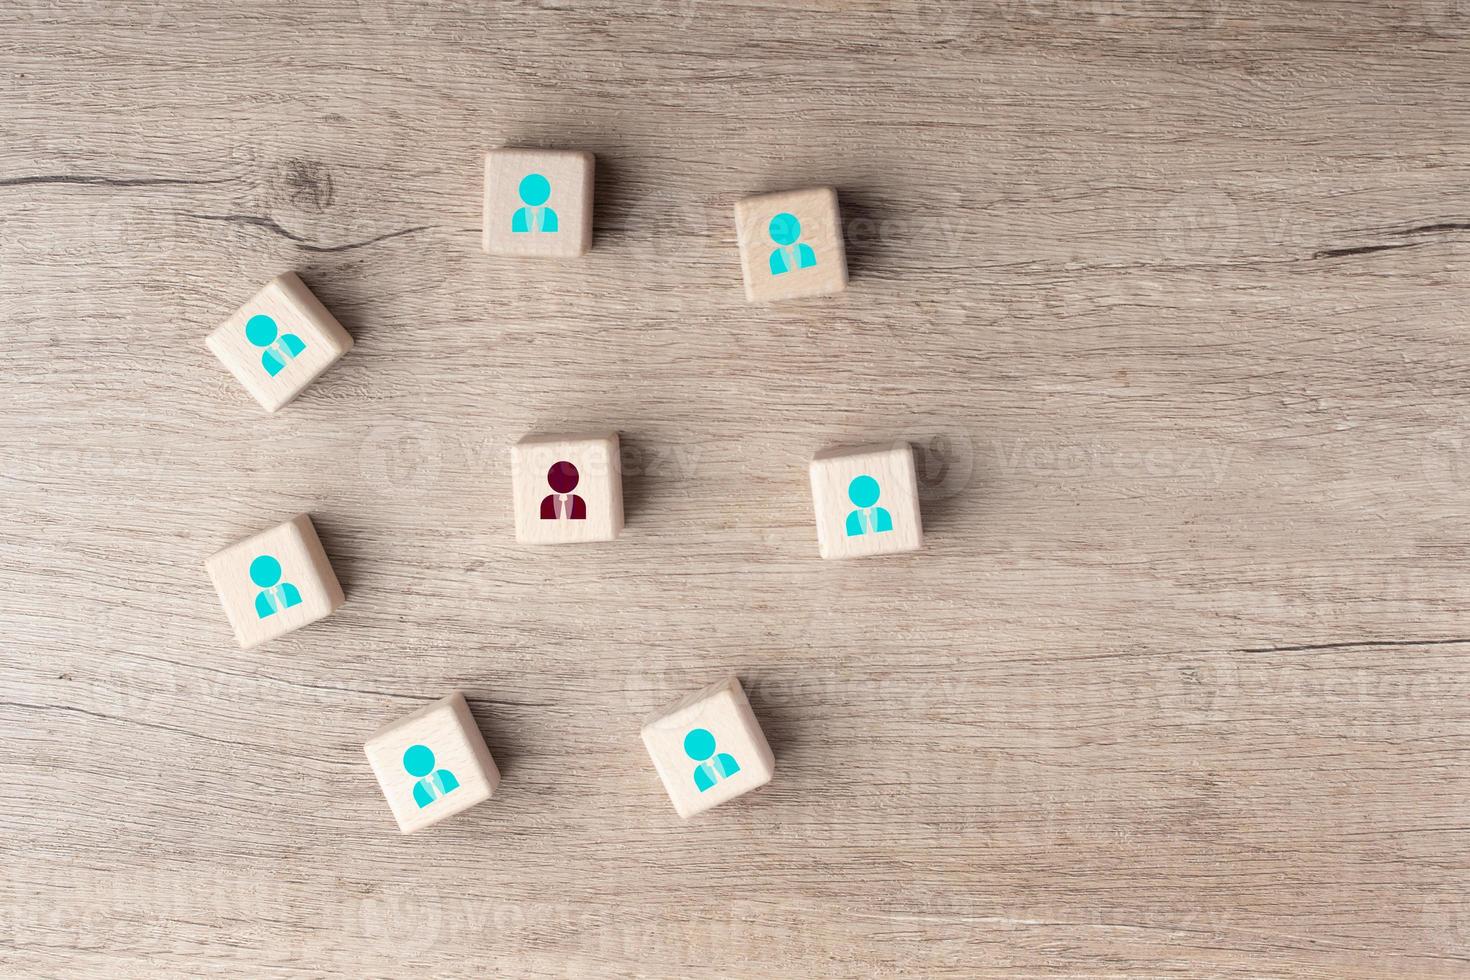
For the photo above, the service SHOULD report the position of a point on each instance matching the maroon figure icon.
(563, 505)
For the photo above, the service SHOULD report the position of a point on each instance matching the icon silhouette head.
(265, 571)
(699, 744)
(260, 330)
(535, 189)
(563, 477)
(863, 491)
(418, 760)
(785, 229)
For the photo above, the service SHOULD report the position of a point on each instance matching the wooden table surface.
(1170, 297)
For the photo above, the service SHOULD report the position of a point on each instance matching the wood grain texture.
(1170, 298)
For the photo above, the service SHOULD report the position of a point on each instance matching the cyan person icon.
(699, 745)
(274, 595)
(867, 519)
(261, 331)
(785, 230)
(418, 760)
(535, 191)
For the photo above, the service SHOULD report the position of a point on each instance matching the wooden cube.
(866, 500)
(791, 245)
(708, 748)
(280, 341)
(275, 582)
(567, 488)
(432, 764)
(538, 202)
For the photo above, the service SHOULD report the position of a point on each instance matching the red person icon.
(563, 505)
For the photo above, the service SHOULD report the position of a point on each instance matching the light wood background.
(1171, 297)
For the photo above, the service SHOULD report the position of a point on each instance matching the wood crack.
(1430, 229)
(33, 179)
(1337, 253)
(1361, 644)
(276, 228)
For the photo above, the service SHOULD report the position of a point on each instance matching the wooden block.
(567, 488)
(538, 202)
(791, 245)
(275, 582)
(432, 764)
(709, 748)
(866, 500)
(280, 341)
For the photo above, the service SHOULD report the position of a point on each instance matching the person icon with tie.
(274, 595)
(535, 191)
(785, 230)
(563, 505)
(863, 491)
(699, 745)
(261, 331)
(432, 784)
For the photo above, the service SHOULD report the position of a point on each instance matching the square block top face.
(791, 245)
(866, 501)
(275, 582)
(709, 748)
(280, 341)
(567, 488)
(432, 764)
(538, 202)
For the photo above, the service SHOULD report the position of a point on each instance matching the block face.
(432, 764)
(567, 488)
(274, 582)
(791, 245)
(709, 748)
(280, 341)
(538, 202)
(866, 501)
